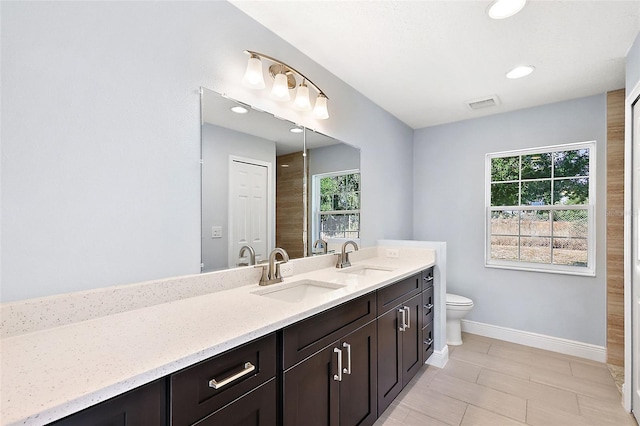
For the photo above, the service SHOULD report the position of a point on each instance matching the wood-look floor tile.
(531, 358)
(435, 404)
(481, 396)
(461, 370)
(507, 366)
(594, 372)
(605, 412)
(540, 414)
(394, 414)
(558, 398)
(476, 416)
(577, 384)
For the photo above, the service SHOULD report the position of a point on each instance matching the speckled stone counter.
(55, 367)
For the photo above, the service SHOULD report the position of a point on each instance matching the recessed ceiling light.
(501, 9)
(521, 71)
(239, 110)
(295, 130)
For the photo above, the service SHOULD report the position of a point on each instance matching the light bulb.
(320, 110)
(302, 102)
(280, 90)
(253, 75)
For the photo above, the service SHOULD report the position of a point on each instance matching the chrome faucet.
(343, 259)
(271, 273)
(320, 242)
(252, 256)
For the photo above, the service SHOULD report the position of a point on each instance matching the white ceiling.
(421, 60)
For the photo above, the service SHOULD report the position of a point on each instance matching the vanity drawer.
(428, 305)
(204, 388)
(392, 295)
(310, 335)
(427, 278)
(427, 342)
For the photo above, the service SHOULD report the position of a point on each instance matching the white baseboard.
(439, 358)
(540, 341)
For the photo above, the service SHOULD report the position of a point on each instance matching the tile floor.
(496, 383)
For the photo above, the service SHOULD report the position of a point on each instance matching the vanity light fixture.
(284, 77)
(520, 71)
(500, 9)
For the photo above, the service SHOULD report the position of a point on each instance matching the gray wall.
(449, 184)
(101, 138)
(218, 143)
(333, 158)
(633, 65)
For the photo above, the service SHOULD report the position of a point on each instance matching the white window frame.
(315, 201)
(590, 269)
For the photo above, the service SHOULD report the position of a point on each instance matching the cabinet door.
(145, 406)
(257, 408)
(310, 393)
(411, 339)
(358, 398)
(389, 358)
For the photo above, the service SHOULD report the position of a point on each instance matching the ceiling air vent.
(485, 102)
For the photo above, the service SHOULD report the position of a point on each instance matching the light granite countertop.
(51, 373)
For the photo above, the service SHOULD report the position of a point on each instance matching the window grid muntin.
(588, 206)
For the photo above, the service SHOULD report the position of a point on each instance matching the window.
(336, 205)
(541, 209)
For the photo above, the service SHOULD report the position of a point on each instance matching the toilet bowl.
(457, 308)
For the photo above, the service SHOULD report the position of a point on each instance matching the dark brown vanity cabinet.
(235, 387)
(336, 383)
(399, 337)
(428, 309)
(144, 406)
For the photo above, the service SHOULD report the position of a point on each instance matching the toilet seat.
(456, 300)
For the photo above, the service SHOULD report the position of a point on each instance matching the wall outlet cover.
(216, 232)
(286, 270)
(393, 253)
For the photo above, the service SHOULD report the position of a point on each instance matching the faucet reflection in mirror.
(252, 256)
(284, 77)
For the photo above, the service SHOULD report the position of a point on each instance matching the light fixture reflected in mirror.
(285, 80)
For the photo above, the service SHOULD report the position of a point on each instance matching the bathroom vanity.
(240, 353)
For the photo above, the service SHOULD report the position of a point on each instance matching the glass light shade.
(501, 9)
(302, 103)
(253, 75)
(320, 110)
(280, 90)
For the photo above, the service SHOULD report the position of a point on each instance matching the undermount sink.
(299, 290)
(366, 270)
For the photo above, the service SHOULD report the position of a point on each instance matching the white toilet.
(457, 308)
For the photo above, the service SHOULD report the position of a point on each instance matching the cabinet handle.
(429, 306)
(408, 317)
(247, 368)
(402, 320)
(428, 342)
(338, 377)
(348, 369)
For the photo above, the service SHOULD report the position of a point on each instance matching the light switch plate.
(216, 232)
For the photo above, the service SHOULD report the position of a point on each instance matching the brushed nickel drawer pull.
(408, 317)
(429, 306)
(247, 368)
(338, 377)
(402, 320)
(348, 347)
(428, 342)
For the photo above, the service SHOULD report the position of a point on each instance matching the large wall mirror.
(259, 189)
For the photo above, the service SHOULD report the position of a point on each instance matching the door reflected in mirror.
(260, 192)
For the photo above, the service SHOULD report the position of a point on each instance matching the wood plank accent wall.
(290, 203)
(615, 227)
